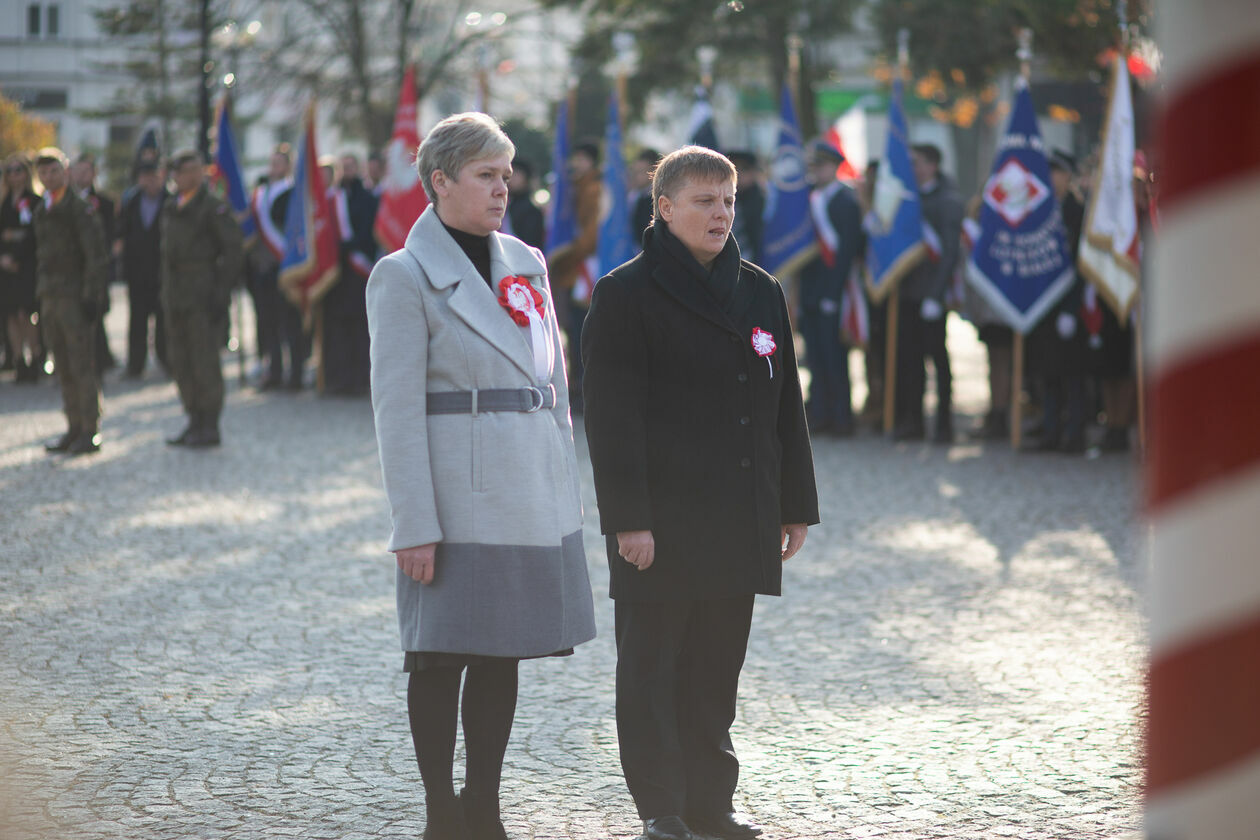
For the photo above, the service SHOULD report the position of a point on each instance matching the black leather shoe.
(85, 444)
(62, 444)
(667, 828)
(203, 437)
(444, 820)
(482, 817)
(728, 826)
(182, 438)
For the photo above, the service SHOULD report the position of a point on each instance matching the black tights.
(488, 708)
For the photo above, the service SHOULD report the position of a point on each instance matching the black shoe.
(667, 828)
(203, 437)
(444, 820)
(1072, 444)
(85, 444)
(1116, 440)
(908, 431)
(62, 444)
(728, 826)
(133, 373)
(1048, 443)
(181, 439)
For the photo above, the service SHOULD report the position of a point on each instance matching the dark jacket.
(142, 246)
(750, 207)
(71, 258)
(202, 254)
(1049, 354)
(824, 276)
(943, 209)
(692, 434)
(17, 237)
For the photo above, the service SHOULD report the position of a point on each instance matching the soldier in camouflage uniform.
(71, 263)
(202, 257)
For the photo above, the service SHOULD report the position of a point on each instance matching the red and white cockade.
(763, 345)
(528, 308)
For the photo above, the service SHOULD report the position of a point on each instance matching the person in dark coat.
(83, 181)
(17, 269)
(1058, 344)
(921, 311)
(703, 471)
(345, 354)
(139, 236)
(641, 194)
(837, 220)
(523, 219)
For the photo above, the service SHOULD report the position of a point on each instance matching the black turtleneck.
(719, 279)
(476, 248)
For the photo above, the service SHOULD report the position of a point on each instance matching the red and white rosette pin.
(763, 345)
(528, 309)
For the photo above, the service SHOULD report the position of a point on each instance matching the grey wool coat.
(497, 491)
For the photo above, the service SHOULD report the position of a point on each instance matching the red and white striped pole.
(1203, 480)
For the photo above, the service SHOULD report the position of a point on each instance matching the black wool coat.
(692, 434)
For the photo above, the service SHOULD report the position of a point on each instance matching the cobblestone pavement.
(203, 645)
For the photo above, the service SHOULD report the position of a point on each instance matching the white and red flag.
(1110, 237)
(402, 196)
(1203, 471)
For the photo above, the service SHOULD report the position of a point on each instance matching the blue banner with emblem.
(615, 246)
(226, 170)
(789, 232)
(894, 225)
(561, 222)
(1021, 263)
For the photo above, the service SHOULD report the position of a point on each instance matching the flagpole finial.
(903, 49)
(706, 55)
(1025, 53)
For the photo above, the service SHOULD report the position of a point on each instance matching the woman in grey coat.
(476, 446)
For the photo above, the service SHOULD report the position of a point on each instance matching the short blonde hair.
(690, 163)
(51, 154)
(456, 141)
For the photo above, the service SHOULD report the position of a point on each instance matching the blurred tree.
(20, 132)
(749, 35)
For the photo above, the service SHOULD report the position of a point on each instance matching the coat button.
(743, 377)
(745, 462)
(744, 421)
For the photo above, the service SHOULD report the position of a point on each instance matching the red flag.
(310, 263)
(402, 196)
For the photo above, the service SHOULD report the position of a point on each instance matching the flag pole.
(890, 341)
(1024, 54)
(1122, 12)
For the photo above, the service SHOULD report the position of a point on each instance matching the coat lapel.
(688, 292)
(445, 265)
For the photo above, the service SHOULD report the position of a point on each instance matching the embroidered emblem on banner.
(1014, 192)
(763, 345)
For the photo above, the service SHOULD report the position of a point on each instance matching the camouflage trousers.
(72, 339)
(193, 341)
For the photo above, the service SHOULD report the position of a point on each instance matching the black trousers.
(678, 667)
(142, 299)
(917, 338)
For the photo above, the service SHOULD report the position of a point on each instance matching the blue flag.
(615, 243)
(226, 172)
(1021, 262)
(701, 132)
(789, 231)
(894, 226)
(561, 221)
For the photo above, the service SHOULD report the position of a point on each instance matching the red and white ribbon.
(528, 308)
(763, 345)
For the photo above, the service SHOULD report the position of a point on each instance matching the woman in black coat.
(17, 267)
(703, 472)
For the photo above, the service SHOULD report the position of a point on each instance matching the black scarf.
(719, 280)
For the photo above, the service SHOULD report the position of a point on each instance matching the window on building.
(53, 19)
(33, 20)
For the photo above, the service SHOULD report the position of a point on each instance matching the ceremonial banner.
(845, 171)
(615, 243)
(1110, 237)
(402, 198)
(1021, 264)
(225, 170)
(702, 132)
(1203, 458)
(312, 248)
(561, 222)
(789, 231)
(894, 226)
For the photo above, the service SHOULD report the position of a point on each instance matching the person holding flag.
(837, 219)
(921, 304)
(268, 207)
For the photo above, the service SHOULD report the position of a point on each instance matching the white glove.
(828, 306)
(931, 310)
(1066, 325)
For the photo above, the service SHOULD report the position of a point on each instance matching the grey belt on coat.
(525, 400)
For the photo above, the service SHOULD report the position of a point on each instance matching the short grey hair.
(690, 163)
(456, 141)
